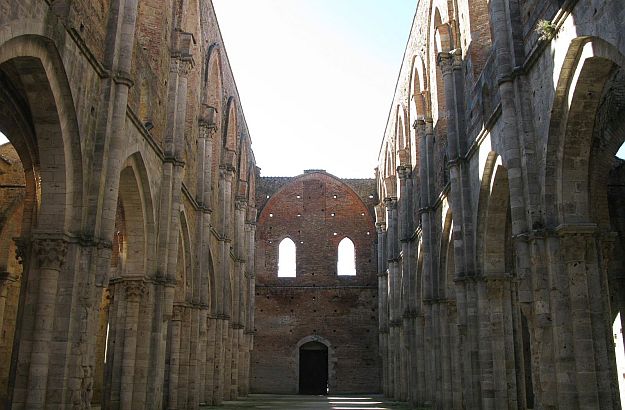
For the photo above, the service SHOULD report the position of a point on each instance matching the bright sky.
(316, 78)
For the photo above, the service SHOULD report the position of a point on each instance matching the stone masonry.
(489, 249)
(128, 198)
(316, 211)
(500, 229)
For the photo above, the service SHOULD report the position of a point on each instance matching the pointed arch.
(49, 145)
(491, 162)
(402, 136)
(440, 38)
(417, 88)
(496, 221)
(213, 85)
(346, 258)
(587, 67)
(230, 132)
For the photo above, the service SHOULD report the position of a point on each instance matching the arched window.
(286, 258)
(346, 264)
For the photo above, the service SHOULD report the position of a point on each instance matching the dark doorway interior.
(313, 368)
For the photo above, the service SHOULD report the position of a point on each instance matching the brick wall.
(315, 210)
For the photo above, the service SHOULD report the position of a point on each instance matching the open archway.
(41, 192)
(313, 368)
(315, 363)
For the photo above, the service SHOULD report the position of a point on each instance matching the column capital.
(404, 172)
(177, 313)
(390, 202)
(241, 204)
(445, 62)
(207, 121)
(135, 289)
(380, 227)
(226, 172)
(182, 65)
(50, 253)
(419, 124)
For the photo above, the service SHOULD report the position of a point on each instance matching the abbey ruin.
(146, 262)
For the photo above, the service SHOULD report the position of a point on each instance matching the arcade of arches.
(489, 251)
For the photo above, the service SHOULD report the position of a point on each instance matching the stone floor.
(286, 402)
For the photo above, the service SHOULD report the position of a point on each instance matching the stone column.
(193, 374)
(175, 335)
(219, 359)
(238, 296)
(202, 352)
(251, 295)
(460, 202)
(408, 294)
(112, 370)
(207, 129)
(394, 286)
(590, 327)
(496, 320)
(5, 281)
(209, 387)
(183, 372)
(224, 331)
(50, 254)
(228, 340)
(382, 301)
(135, 290)
(531, 248)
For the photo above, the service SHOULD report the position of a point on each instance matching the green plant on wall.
(546, 29)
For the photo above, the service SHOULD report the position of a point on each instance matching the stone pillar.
(207, 129)
(394, 287)
(223, 344)
(228, 338)
(408, 291)
(383, 300)
(460, 202)
(209, 387)
(219, 360)
(183, 372)
(5, 281)
(50, 254)
(238, 295)
(175, 335)
(202, 348)
(590, 326)
(251, 296)
(135, 290)
(424, 134)
(533, 257)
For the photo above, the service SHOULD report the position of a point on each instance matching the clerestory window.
(286, 258)
(346, 264)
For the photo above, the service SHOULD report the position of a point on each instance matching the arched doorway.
(313, 368)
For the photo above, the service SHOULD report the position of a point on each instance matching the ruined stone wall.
(315, 210)
(515, 111)
(138, 221)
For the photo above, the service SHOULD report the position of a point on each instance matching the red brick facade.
(315, 210)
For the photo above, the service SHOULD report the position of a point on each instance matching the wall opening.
(313, 368)
(346, 264)
(287, 253)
